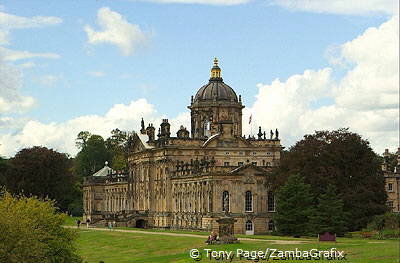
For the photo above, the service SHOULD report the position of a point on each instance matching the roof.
(247, 166)
(144, 138)
(104, 171)
(210, 139)
(217, 90)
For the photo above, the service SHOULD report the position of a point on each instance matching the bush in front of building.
(385, 226)
(32, 231)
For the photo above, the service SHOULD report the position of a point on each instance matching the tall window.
(249, 202)
(225, 201)
(210, 206)
(271, 226)
(390, 187)
(271, 202)
(207, 128)
(249, 225)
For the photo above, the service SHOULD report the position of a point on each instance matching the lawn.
(71, 221)
(121, 247)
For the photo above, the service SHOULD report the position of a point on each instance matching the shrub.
(31, 231)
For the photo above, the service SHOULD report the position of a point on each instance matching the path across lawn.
(283, 242)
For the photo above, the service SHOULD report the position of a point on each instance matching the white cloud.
(346, 7)
(9, 22)
(48, 80)
(97, 73)
(61, 136)
(11, 99)
(29, 64)
(14, 55)
(205, 2)
(116, 30)
(365, 99)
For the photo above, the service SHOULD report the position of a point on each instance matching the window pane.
(249, 202)
(249, 226)
(271, 202)
(225, 201)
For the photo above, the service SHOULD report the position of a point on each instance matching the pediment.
(249, 169)
(137, 144)
(219, 141)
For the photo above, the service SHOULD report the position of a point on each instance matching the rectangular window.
(249, 202)
(240, 163)
(227, 153)
(226, 164)
(254, 163)
(390, 204)
(271, 202)
(390, 187)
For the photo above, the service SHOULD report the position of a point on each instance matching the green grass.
(120, 247)
(206, 233)
(71, 220)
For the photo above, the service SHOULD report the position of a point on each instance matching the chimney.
(150, 131)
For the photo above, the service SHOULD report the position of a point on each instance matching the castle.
(191, 180)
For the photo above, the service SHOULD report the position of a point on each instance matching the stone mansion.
(188, 180)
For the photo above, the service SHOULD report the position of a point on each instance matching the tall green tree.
(345, 160)
(329, 215)
(294, 207)
(4, 169)
(91, 157)
(32, 231)
(42, 172)
(82, 138)
(116, 145)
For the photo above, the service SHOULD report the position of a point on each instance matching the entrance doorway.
(140, 223)
(249, 228)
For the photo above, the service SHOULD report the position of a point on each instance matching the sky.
(300, 66)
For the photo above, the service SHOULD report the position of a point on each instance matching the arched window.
(225, 201)
(249, 225)
(249, 202)
(271, 202)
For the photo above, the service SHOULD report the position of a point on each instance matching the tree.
(116, 145)
(42, 172)
(92, 156)
(378, 224)
(385, 223)
(329, 215)
(82, 139)
(294, 207)
(31, 231)
(345, 160)
(391, 160)
(4, 169)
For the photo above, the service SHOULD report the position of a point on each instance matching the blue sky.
(256, 42)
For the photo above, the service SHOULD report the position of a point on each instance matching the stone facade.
(392, 182)
(187, 181)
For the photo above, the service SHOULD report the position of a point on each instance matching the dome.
(216, 89)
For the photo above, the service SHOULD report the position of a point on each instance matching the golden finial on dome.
(215, 71)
